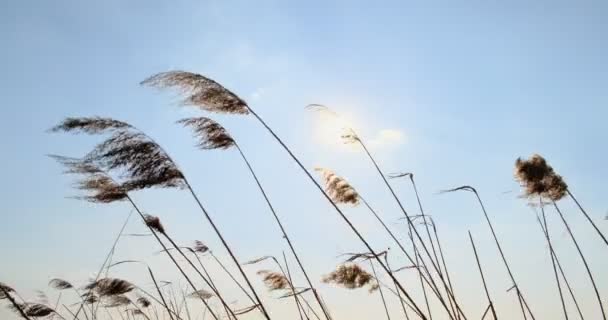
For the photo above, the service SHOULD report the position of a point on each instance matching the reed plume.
(339, 190)
(203, 294)
(154, 223)
(38, 310)
(110, 286)
(144, 302)
(199, 90)
(60, 284)
(539, 178)
(274, 280)
(200, 247)
(116, 301)
(351, 276)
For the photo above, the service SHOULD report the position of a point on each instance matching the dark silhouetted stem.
(339, 211)
(388, 315)
(160, 293)
(284, 232)
(522, 300)
(580, 253)
(232, 277)
(483, 279)
(588, 218)
(548, 237)
(293, 289)
(230, 252)
(14, 303)
(407, 216)
(407, 317)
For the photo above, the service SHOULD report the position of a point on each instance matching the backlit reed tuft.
(274, 280)
(199, 91)
(154, 223)
(110, 286)
(539, 178)
(210, 134)
(143, 302)
(351, 276)
(89, 125)
(338, 189)
(60, 284)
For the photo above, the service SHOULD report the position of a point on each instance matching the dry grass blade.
(110, 286)
(199, 91)
(462, 188)
(338, 189)
(210, 134)
(258, 260)
(60, 284)
(274, 280)
(297, 293)
(400, 175)
(351, 276)
(539, 179)
(245, 310)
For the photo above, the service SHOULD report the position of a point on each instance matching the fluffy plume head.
(98, 185)
(338, 189)
(89, 298)
(539, 179)
(60, 284)
(5, 289)
(210, 134)
(351, 276)
(199, 91)
(143, 302)
(154, 223)
(274, 280)
(37, 310)
(116, 301)
(110, 287)
(200, 247)
(201, 294)
(90, 125)
(128, 151)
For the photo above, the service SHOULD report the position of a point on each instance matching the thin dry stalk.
(483, 280)
(597, 229)
(583, 259)
(388, 315)
(6, 295)
(164, 302)
(547, 236)
(522, 301)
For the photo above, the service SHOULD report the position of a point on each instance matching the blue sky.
(453, 92)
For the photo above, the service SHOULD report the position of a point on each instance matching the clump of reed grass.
(351, 276)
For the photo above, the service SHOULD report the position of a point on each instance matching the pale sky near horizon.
(452, 91)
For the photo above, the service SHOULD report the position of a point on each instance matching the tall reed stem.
(407, 317)
(284, 232)
(293, 289)
(339, 211)
(548, 237)
(160, 293)
(14, 303)
(407, 216)
(588, 218)
(388, 315)
(483, 278)
(522, 302)
(580, 253)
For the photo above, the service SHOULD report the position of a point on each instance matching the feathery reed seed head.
(274, 280)
(116, 301)
(210, 134)
(154, 223)
(143, 302)
(202, 294)
(199, 91)
(110, 287)
(200, 247)
(37, 310)
(539, 179)
(351, 276)
(89, 125)
(338, 189)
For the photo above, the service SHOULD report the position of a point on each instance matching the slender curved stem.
(483, 279)
(548, 237)
(588, 217)
(388, 315)
(14, 303)
(160, 293)
(284, 232)
(580, 253)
